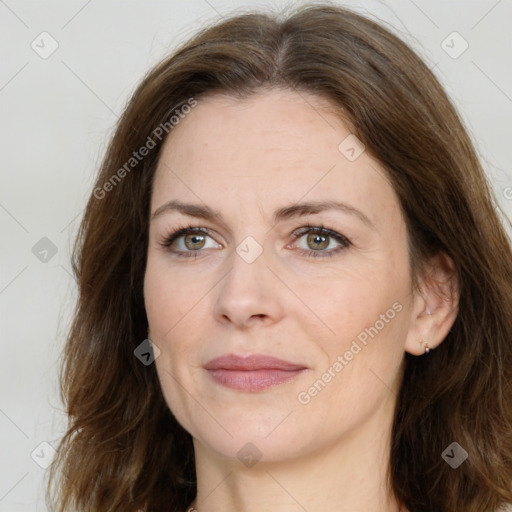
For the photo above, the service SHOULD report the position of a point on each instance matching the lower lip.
(253, 380)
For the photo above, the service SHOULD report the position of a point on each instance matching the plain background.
(57, 114)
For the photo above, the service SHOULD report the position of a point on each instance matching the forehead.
(274, 147)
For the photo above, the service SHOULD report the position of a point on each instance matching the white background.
(57, 114)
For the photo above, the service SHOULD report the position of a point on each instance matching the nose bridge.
(249, 288)
(248, 263)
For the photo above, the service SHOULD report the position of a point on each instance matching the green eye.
(318, 238)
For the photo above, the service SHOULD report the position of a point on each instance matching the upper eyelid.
(300, 230)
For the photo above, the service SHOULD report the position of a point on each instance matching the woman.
(295, 291)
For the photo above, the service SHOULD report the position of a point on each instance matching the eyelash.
(318, 229)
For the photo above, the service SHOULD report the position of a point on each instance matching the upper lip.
(252, 362)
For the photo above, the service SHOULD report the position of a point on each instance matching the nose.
(250, 293)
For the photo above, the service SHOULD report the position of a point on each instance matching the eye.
(189, 241)
(318, 238)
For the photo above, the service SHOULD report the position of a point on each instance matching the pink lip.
(252, 373)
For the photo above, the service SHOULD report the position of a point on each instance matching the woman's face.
(335, 306)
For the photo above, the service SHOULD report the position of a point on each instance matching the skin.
(247, 158)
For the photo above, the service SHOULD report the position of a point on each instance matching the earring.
(427, 348)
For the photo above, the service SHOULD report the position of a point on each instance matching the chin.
(249, 450)
(254, 438)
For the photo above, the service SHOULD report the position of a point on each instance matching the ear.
(435, 305)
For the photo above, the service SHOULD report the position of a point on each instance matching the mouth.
(252, 373)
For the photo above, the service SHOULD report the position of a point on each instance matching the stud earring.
(427, 348)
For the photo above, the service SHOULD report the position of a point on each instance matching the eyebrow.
(287, 212)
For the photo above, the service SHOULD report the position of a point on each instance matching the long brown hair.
(123, 449)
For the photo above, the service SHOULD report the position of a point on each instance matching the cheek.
(168, 297)
(362, 359)
(177, 308)
(367, 305)
(170, 303)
